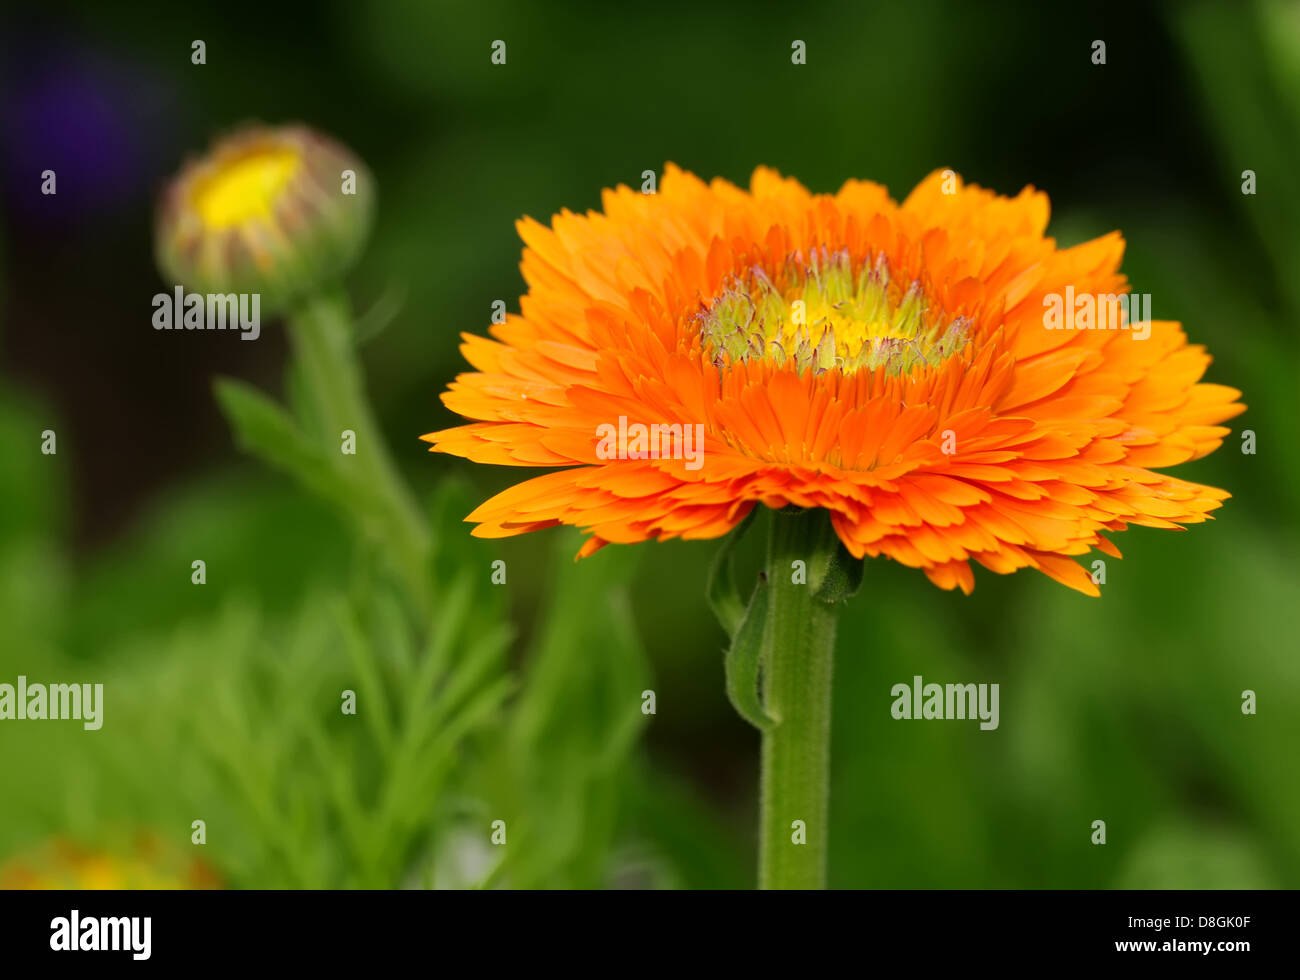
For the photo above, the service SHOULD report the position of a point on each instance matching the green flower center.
(820, 313)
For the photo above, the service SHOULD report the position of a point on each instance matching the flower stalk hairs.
(889, 380)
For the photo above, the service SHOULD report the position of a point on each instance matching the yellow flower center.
(821, 314)
(244, 187)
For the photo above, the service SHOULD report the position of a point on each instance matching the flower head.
(273, 211)
(895, 364)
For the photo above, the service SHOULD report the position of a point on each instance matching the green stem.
(798, 651)
(321, 334)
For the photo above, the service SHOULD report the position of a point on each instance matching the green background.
(221, 700)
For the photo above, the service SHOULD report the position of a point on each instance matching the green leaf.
(723, 595)
(744, 659)
(843, 576)
(266, 430)
(370, 682)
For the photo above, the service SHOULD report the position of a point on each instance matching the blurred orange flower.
(62, 864)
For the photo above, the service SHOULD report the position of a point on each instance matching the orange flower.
(898, 365)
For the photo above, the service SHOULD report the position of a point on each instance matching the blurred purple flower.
(84, 114)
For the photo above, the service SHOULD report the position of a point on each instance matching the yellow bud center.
(244, 187)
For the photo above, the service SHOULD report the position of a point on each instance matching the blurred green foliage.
(522, 702)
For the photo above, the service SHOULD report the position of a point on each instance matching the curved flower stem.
(323, 344)
(798, 651)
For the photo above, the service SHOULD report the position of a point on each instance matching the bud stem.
(320, 330)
